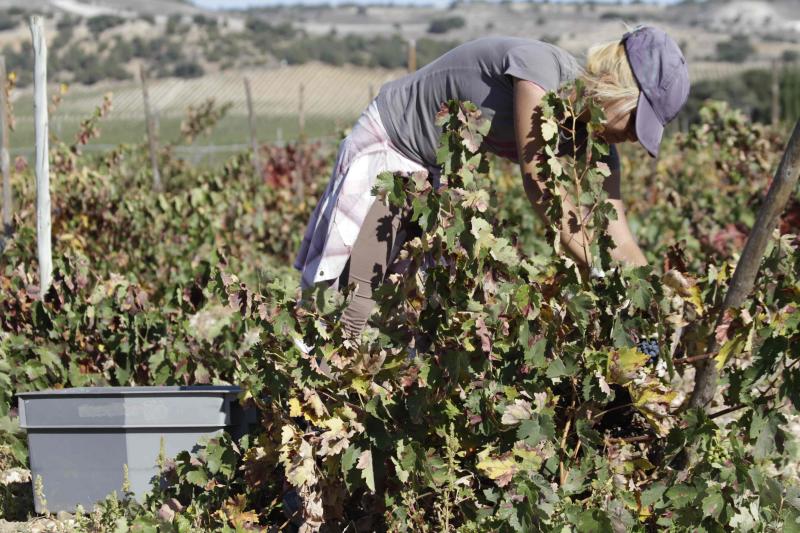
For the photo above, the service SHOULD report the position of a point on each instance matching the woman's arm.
(527, 124)
(626, 249)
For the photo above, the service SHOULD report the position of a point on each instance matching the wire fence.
(313, 100)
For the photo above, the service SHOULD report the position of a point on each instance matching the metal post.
(43, 224)
(152, 139)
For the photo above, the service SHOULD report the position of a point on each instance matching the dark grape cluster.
(650, 349)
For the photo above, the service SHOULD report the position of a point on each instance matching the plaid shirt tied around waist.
(337, 218)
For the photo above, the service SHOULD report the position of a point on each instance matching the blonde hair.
(608, 76)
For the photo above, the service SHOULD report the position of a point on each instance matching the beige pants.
(382, 235)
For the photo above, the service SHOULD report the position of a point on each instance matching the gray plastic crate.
(80, 439)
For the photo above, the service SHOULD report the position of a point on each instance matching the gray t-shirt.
(479, 71)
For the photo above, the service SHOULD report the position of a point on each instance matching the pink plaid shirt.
(337, 219)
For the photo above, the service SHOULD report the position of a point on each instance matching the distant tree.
(121, 52)
(296, 54)
(747, 92)
(62, 38)
(383, 52)
(101, 23)
(614, 15)
(549, 38)
(790, 56)
(88, 68)
(264, 30)
(735, 50)
(257, 24)
(67, 22)
(790, 94)
(430, 49)
(202, 20)
(173, 23)
(188, 69)
(7, 22)
(20, 62)
(139, 47)
(443, 25)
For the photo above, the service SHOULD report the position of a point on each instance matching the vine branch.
(744, 276)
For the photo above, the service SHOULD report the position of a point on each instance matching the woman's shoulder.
(524, 47)
(505, 43)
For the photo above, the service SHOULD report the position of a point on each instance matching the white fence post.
(5, 156)
(43, 239)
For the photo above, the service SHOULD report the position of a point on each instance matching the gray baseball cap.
(663, 77)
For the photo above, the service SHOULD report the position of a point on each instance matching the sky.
(242, 4)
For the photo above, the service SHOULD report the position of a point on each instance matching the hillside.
(107, 40)
(340, 55)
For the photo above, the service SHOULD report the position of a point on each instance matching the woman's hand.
(527, 125)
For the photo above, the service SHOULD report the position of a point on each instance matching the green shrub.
(202, 20)
(790, 56)
(497, 387)
(67, 22)
(443, 25)
(614, 15)
(62, 39)
(101, 23)
(173, 23)
(430, 49)
(7, 23)
(20, 61)
(188, 69)
(735, 50)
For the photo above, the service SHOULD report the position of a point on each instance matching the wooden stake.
(299, 179)
(744, 277)
(412, 55)
(301, 114)
(43, 225)
(5, 157)
(776, 94)
(152, 138)
(253, 139)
